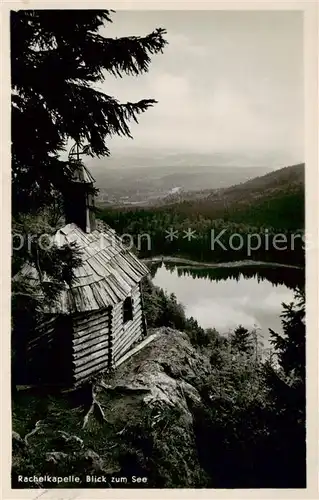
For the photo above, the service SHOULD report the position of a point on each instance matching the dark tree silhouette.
(57, 58)
(291, 345)
(241, 340)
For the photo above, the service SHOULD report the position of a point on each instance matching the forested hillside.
(270, 204)
(283, 180)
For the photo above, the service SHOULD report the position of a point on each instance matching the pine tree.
(287, 389)
(241, 340)
(290, 346)
(57, 58)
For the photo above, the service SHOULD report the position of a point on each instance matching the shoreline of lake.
(212, 265)
(225, 297)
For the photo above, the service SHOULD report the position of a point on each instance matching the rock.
(56, 456)
(167, 370)
(40, 430)
(94, 460)
(73, 442)
(17, 441)
(16, 437)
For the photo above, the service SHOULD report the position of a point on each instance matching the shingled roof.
(106, 276)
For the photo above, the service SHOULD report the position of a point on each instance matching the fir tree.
(287, 389)
(241, 340)
(290, 347)
(57, 59)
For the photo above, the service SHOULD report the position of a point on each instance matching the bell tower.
(79, 199)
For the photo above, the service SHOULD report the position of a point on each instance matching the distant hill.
(287, 177)
(281, 179)
(277, 196)
(154, 177)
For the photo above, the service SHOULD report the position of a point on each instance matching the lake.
(223, 298)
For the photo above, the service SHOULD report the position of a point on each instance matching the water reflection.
(226, 297)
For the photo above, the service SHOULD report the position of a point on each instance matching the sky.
(227, 82)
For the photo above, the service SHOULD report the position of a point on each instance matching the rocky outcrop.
(136, 421)
(165, 372)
